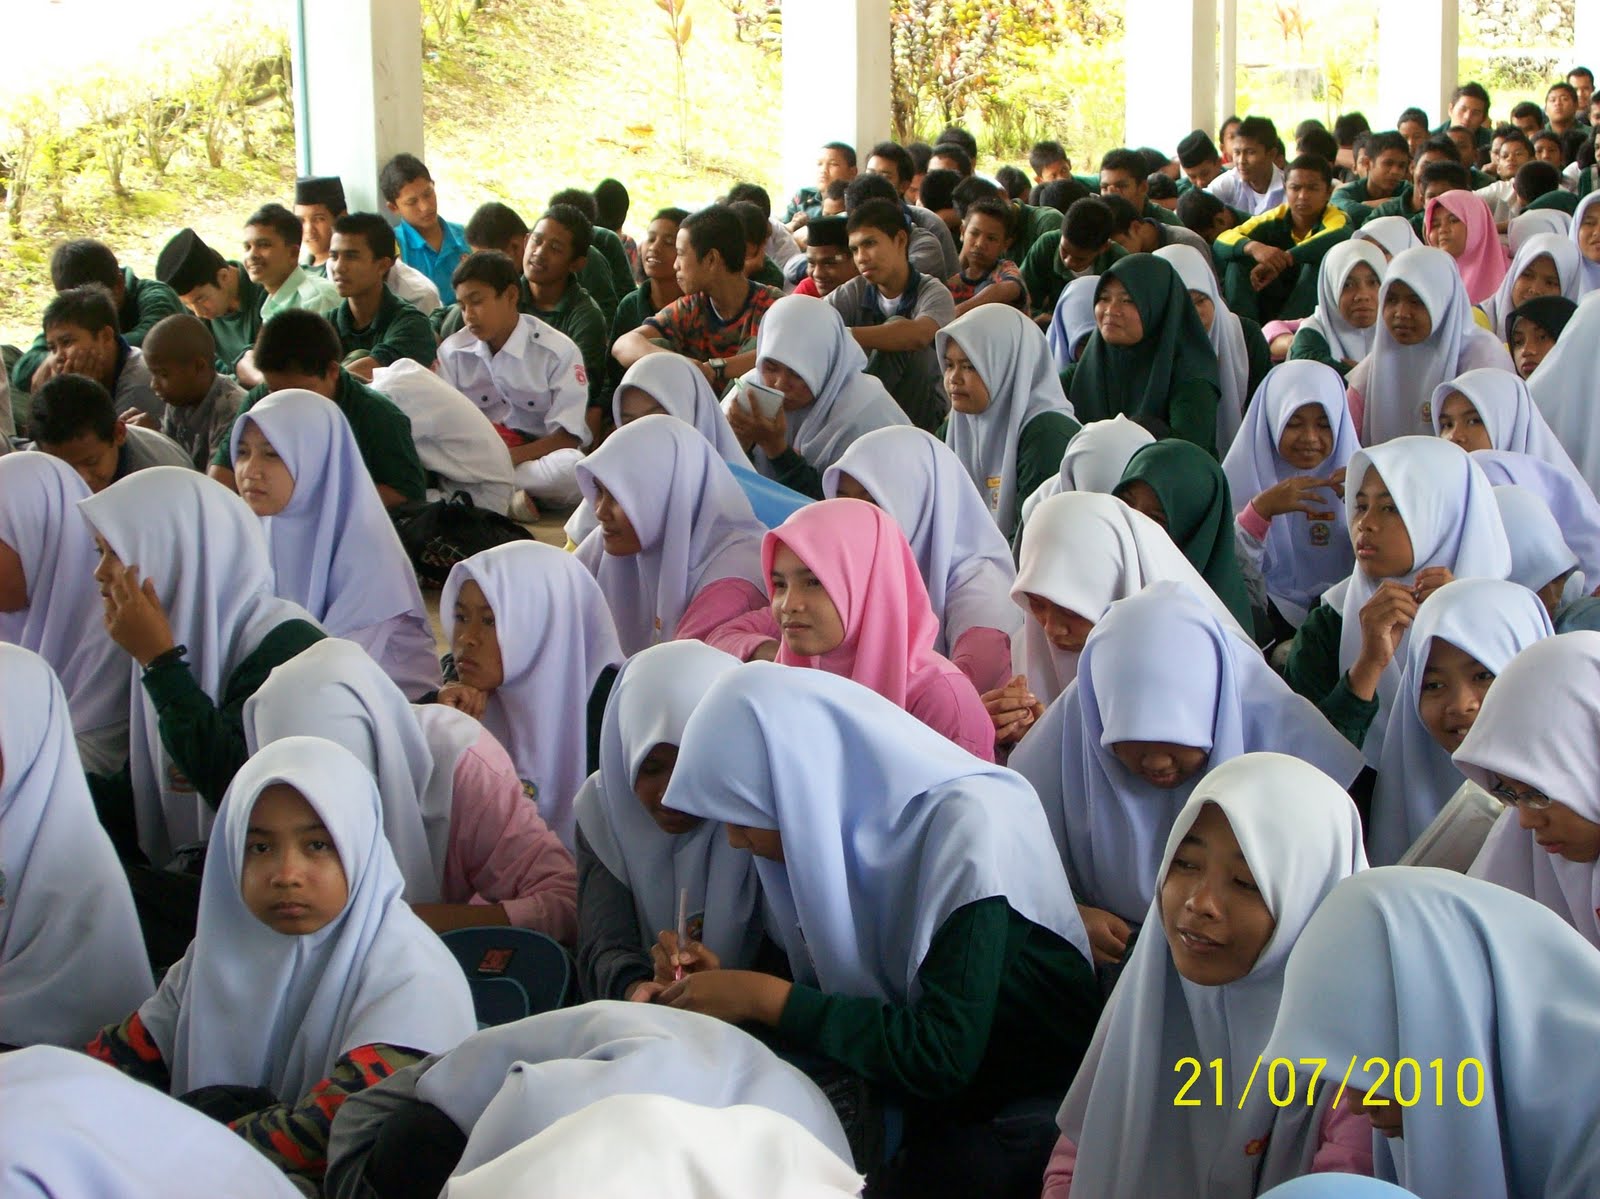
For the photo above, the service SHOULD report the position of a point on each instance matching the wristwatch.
(719, 370)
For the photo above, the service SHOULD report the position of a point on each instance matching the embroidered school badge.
(1427, 412)
(1321, 534)
(530, 789)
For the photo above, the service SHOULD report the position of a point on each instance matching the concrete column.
(1417, 43)
(835, 83)
(1177, 45)
(1228, 54)
(358, 90)
(1585, 34)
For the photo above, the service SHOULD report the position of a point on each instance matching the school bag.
(439, 533)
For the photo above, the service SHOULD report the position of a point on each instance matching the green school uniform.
(1586, 182)
(609, 247)
(236, 332)
(1313, 671)
(1092, 182)
(1482, 137)
(636, 307)
(595, 275)
(1041, 444)
(144, 302)
(1006, 1010)
(381, 430)
(1032, 223)
(1311, 345)
(1257, 352)
(1046, 275)
(1168, 381)
(398, 331)
(1293, 294)
(1561, 201)
(1400, 205)
(204, 738)
(579, 317)
(1154, 212)
(770, 275)
(1351, 199)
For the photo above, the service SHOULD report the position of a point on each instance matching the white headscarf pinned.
(1563, 255)
(1393, 234)
(1072, 321)
(1227, 339)
(680, 387)
(1095, 459)
(1563, 387)
(1345, 341)
(1526, 225)
(1564, 492)
(1591, 270)
(1510, 417)
(1539, 552)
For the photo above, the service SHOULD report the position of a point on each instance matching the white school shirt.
(412, 286)
(535, 383)
(454, 440)
(1230, 187)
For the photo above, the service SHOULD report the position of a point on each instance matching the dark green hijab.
(1194, 493)
(1138, 380)
(1561, 201)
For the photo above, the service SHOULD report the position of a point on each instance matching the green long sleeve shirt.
(1006, 1010)
(1274, 228)
(1041, 444)
(399, 330)
(1313, 671)
(144, 302)
(1312, 346)
(578, 316)
(1046, 275)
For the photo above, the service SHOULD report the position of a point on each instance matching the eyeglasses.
(1533, 801)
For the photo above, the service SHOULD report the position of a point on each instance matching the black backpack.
(437, 534)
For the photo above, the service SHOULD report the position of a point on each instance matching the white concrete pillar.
(835, 83)
(1177, 45)
(358, 90)
(1585, 34)
(1228, 55)
(1417, 44)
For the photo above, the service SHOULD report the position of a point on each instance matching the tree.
(29, 129)
(680, 24)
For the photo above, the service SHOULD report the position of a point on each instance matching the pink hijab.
(1483, 264)
(864, 563)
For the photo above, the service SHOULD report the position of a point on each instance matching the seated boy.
(272, 260)
(201, 401)
(218, 292)
(140, 303)
(1206, 216)
(427, 241)
(781, 245)
(80, 330)
(605, 273)
(1254, 184)
(493, 226)
(611, 201)
(1389, 161)
(1197, 155)
(1163, 192)
(375, 326)
(1528, 117)
(828, 259)
(716, 320)
(1501, 196)
(1271, 262)
(1140, 235)
(297, 348)
(1049, 162)
(526, 377)
(552, 259)
(73, 418)
(1123, 173)
(318, 203)
(938, 191)
(757, 266)
(836, 160)
(926, 248)
(894, 310)
(1410, 199)
(833, 198)
(1082, 246)
(658, 256)
(986, 275)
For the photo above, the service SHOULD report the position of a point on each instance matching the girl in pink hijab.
(1461, 224)
(848, 598)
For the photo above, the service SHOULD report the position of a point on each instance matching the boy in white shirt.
(526, 377)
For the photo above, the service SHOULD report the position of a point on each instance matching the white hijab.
(1564, 492)
(556, 638)
(870, 873)
(72, 958)
(1216, 693)
(1563, 388)
(1227, 339)
(1303, 557)
(64, 621)
(207, 557)
(76, 1127)
(1345, 341)
(1563, 254)
(679, 386)
(1395, 381)
(1450, 515)
(965, 563)
(1131, 1140)
(656, 692)
(1591, 270)
(1539, 552)
(808, 336)
(1510, 417)
(334, 549)
(1072, 321)
(509, 1083)
(1012, 358)
(253, 1007)
(691, 517)
(1527, 225)
(676, 1150)
(1095, 459)
(334, 691)
(1412, 962)
(1392, 234)
(1493, 621)
(1082, 551)
(1540, 725)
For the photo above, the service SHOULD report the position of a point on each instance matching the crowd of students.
(1028, 657)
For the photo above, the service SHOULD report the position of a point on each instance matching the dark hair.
(1584, 71)
(84, 260)
(1535, 179)
(575, 222)
(1198, 210)
(1473, 91)
(1549, 135)
(676, 215)
(905, 166)
(717, 227)
(1411, 114)
(882, 215)
(1528, 109)
(1062, 194)
(959, 136)
(495, 226)
(844, 148)
(1015, 181)
(67, 407)
(279, 219)
(1319, 142)
(869, 187)
(954, 153)
(1087, 224)
(1562, 86)
(298, 341)
(399, 171)
(1045, 154)
(1306, 126)
(487, 266)
(1123, 214)
(1259, 130)
(1440, 144)
(611, 204)
(968, 191)
(1453, 172)
(1513, 134)
(1388, 140)
(1196, 147)
(1573, 140)
(1154, 160)
(1222, 129)
(751, 193)
(1162, 186)
(89, 307)
(1130, 162)
(1311, 162)
(576, 197)
(938, 189)
(920, 153)
(837, 189)
(752, 222)
(992, 206)
(1348, 125)
(371, 228)
(1362, 145)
